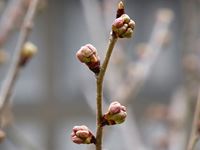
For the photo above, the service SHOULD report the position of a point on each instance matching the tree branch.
(99, 82)
(8, 85)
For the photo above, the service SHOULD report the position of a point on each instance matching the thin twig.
(177, 120)
(10, 80)
(195, 126)
(136, 78)
(95, 20)
(11, 18)
(99, 82)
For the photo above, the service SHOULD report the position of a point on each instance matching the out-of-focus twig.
(10, 80)
(95, 21)
(11, 18)
(177, 117)
(138, 73)
(195, 131)
(131, 128)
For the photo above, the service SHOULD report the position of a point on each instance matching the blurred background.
(155, 73)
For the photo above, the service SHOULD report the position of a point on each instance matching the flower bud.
(116, 114)
(119, 22)
(27, 52)
(88, 54)
(82, 135)
(123, 26)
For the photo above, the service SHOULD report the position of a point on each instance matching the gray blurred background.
(56, 92)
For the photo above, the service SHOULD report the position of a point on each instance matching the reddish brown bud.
(82, 135)
(116, 114)
(88, 54)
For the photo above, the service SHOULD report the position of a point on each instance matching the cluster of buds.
(116, 114)
(82, 135)
(123, 26)
(27, 52)
(88, 54)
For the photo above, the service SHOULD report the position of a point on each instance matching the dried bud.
(88, 54)
(116, 114)
(82, 135)
(2, 135)
(27, 52)
(123, 26)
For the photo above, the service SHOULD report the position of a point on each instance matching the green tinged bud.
(82, 135)
(116, 114)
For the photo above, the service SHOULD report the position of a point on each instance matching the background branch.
(195, 126)
(8, 85)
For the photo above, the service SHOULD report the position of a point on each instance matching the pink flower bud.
(88, 54)
(82, 135)
(123, 26)
(116, 114)
(119, 22)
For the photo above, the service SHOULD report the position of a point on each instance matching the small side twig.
(10, 80)
(195, 132)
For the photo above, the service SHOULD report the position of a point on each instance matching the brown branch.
(7, 87)
(195, 134)
(99, 82)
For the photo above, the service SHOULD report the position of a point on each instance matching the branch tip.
(120, 5)
(120, 9)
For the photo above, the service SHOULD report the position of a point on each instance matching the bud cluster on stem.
(122, 27)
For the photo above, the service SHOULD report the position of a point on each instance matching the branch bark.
(99, 82)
